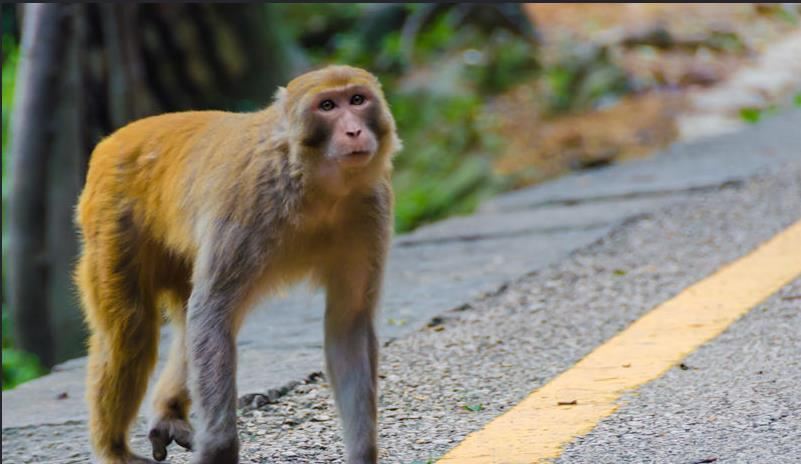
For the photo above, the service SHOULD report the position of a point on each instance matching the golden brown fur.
(216, 208)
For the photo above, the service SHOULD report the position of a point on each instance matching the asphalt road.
(738, 400)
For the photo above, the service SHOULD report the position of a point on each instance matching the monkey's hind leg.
(122, 352)
(171, 399)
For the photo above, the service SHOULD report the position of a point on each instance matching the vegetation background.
(487, 98)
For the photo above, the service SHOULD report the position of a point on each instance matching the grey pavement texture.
(524, 288)
(737, 400)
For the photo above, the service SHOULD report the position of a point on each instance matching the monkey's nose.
(354, 133)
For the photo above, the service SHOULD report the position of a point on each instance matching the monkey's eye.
(327, 105)
(357, 99)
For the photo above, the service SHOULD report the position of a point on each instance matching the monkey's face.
(340, 126)
(345, 126)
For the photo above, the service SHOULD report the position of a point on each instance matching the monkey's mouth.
(355, 158)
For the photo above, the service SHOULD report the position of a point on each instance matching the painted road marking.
(538, 427)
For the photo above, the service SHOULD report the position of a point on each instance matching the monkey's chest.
(306, 251)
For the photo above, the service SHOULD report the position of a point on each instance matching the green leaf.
(750, 115)
(19, 367)
(619, 272)
(797, 99)
(786, 15)
(474, 407)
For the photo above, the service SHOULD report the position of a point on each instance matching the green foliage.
(786, 13)
(439, 36)
(18, 366)
(753, 115)
(581, 77)
(797, 99)
(322, 29)
(10, 55)
(726, 41)
(504, 61)
(750, 115)
(445, 167)
(473, 407)
(350, 50)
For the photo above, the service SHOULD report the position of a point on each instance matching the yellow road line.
(538, 427)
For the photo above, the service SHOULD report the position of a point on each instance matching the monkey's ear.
(397, 145)
(280, 97)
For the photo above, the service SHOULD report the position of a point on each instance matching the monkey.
(196, 216)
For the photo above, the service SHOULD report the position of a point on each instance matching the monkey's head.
(339, 120)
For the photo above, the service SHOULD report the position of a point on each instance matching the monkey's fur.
(201, 213)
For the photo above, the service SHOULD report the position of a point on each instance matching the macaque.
(199, 214)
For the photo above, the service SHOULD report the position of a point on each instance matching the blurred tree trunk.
(32, 131)
(92, 69)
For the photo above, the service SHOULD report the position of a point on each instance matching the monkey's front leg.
(351, 351)
(222, 280)
(212, 377)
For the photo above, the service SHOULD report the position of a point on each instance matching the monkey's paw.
(165, 431)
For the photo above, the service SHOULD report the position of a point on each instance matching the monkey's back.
(138, 175)
(153, 185)
(132, 212)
